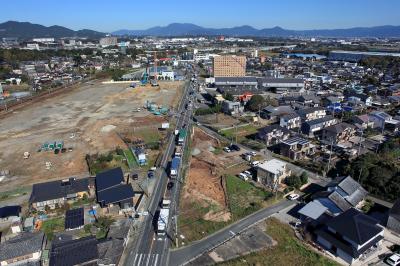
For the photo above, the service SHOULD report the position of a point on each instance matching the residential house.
(383, 120)
(309, 100)
(338, 133)
(312, 127)
(363, 121)
(275, 113)
(296, 148)
(340, 195)
(81, 251)
(393, 222)
(9, 214)
(111, 189)
(359, 98)
(272, 173)
(350, 235)
(58, 192)
(24, 249)
(273, 134)
(312, 113)
(231, 108)
(290, 121)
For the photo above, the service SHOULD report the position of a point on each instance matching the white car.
(248, 174)
(253, 153)
(293, 196)
(226, 149)
(393, 260)
(243, 176)
(255, 163)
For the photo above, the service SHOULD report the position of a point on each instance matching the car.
(243, 176)
(393, 260)
(252, 153)
(150, 174)
(135, 176)
(293, 196)
(255, 163)
(234, 147)
(170, 185)
(248, 174)
(226, 149)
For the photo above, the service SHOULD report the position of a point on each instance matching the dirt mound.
(221, 216)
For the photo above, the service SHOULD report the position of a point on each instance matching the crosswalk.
(146, 259)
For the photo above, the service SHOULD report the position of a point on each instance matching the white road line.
(155, 262)
(140, 259)
(134, 261)
(148, 259)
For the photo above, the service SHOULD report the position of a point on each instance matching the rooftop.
(21, 245)
(273, 166)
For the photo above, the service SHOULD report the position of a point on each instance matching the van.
(255, 163)
(243, 176)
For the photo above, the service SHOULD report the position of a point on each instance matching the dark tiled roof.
(8, 211)
(338, 128)
(24, 244)
(295, 141)
(74, 218)
(320, 120)
(290, 116)
(310, 110)
(354, 190)
(339, 201)
(281, 80)
(110, 251)
(73, 252)
(58, 189)
(355, 226)
(235, 80)
(271, 128)
(115, 194)
(109, 178)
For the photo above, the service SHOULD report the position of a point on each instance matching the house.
(340, 195)
(9, 214)
(290, 121)
(296, 148)
(112, 190)
(274, 113)
(273, 134)
(74, 219)
(272, 173)
(309, 100)
(312, 127)
(338, 133)
(23, 249)
(229, 107)
(383, 120)
(81, 251)
(393, 222)
(357, 98)
(57, 193)
(312, 113)
(363, 121)
(350, 235)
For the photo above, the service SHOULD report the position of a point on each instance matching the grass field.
(243, 197)
(51, 226)
(288, 251)
(7, 195)
(240, 132)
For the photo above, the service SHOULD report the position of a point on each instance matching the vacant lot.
(212, 196)
(288, 251)
(88, 120)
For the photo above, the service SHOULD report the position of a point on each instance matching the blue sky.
(106, 15)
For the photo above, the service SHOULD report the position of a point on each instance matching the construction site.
(49, 139)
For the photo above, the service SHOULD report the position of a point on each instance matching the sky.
(108, 16)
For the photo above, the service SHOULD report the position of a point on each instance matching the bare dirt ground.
(87, 119)
(204, 183)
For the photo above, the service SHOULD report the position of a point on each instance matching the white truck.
(162, 223)
(178, 151)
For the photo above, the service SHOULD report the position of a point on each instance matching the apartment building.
(229, 66)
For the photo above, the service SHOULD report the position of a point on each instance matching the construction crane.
(155, 83)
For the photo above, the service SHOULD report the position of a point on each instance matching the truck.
(173, 172)
(162, 222)
(165, 203)
(182, 136)
(178, 151)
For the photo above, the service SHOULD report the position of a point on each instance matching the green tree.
(228, 96)
(256, 103)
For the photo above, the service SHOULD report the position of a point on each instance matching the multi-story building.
(296, 148)
(338, 133)
(108, 41)
(310, 128)
(273, 134)
(272, 173)
(290, 121)
(229, 66)
(311, 113)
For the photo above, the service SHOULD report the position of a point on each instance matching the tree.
(228, 96)
(304, 178)
(256, 103)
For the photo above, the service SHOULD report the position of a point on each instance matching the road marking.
(148, 259)
(135, 258)
(140, 259)
(156, 260)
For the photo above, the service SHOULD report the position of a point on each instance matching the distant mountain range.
(187, 29)
(26, 30)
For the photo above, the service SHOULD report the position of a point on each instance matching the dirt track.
(88, 114)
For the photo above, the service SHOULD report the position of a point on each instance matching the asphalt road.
(187, 254)
(152, 249)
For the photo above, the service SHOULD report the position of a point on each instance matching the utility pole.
(330, 157)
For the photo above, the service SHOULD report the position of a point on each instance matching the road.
(187, 254)
(152, 249)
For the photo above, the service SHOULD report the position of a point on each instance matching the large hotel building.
(229, 66)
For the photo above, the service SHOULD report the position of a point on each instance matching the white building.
(272, 173)
(108, 41)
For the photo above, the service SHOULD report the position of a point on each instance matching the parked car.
(248, 174)
(293, 196)
(253, 153)
(234, 147)
(226, 149)
(243, 176)
(150, 174)
(393, 260)
(135, 176)
(255, 163)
